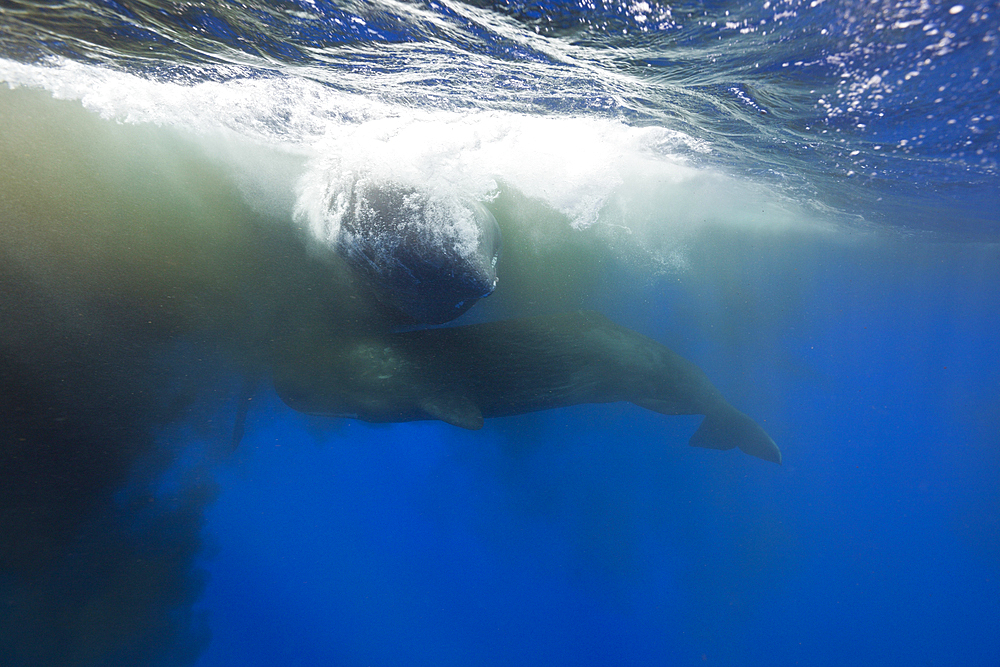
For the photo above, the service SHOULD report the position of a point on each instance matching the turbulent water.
(765, 180)
(851, 108)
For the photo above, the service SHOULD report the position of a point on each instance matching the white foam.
(592, 171)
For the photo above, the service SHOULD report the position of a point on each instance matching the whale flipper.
(455, 410)
(728, 428)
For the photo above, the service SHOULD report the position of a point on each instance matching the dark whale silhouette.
(462, 374)
(429, 257)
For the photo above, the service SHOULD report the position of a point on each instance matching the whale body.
(461, 375)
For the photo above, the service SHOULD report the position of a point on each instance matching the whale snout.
(431, 257)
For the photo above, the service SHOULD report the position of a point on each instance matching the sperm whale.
(461, 375)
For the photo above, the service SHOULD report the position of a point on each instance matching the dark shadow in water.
(136, 288)
(88, 576)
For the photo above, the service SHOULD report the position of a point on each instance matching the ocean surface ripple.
(885, 111)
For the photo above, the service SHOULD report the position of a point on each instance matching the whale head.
(429, 256)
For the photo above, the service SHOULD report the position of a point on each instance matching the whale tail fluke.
(725, 429)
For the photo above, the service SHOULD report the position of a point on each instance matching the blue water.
(800, 197)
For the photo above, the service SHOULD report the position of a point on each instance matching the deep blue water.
(800, 197)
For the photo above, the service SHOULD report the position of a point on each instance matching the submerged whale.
(461, 375)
